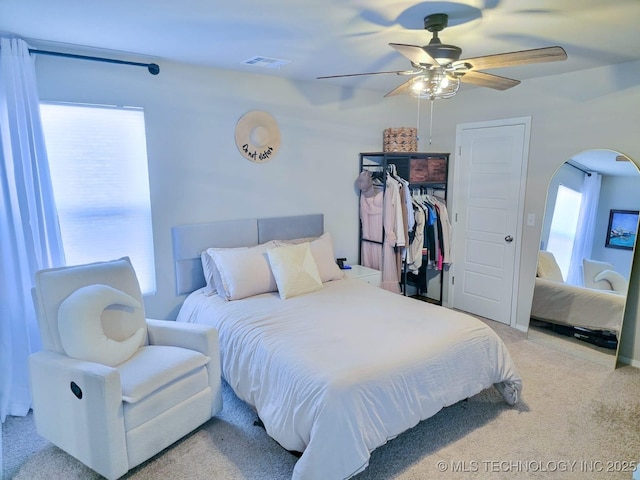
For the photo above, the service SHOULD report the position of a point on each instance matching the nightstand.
(369, 275)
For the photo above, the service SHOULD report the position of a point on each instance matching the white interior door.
(490, 172)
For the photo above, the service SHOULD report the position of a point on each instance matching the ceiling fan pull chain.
(431, 122)
(418, 123)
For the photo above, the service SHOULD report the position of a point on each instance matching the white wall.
(618, 193)
(197, 175)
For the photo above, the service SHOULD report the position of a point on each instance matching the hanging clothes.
(401, 228)
(371, 206)
(445, 225)
(414, 252)
(378, 219)
(393, 236)
(413, 223)
(436, 234)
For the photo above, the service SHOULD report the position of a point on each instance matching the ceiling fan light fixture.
(434, 84)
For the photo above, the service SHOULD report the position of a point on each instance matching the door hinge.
(459, 150)
(453, 280)
(456, 217)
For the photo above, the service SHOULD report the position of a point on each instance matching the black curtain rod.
(153, 68)
(579, 167)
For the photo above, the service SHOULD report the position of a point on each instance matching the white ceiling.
(327, 37)
(606, 162)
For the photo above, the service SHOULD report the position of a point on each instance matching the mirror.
(587, 245)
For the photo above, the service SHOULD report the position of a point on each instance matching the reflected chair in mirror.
(110, 387)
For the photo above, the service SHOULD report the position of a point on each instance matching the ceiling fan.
(437, 68)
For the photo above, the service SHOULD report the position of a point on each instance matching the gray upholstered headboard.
(189, 241)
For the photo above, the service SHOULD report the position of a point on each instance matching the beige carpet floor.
(576, 419)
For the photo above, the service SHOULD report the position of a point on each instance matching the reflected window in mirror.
(564, 224)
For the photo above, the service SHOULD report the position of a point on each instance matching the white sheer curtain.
(586, 227)
(29, 231)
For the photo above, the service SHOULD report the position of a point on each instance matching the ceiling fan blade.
(414, 53)
(523, 57)
(483, 79)
(402, 88)
(399, 72)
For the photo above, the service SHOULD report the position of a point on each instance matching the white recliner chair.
(110, 387)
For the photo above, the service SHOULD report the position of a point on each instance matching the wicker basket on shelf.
(403, 139)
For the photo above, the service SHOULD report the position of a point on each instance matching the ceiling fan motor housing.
(436, 22)
(444, 54)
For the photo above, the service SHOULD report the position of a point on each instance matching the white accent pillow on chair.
(617, 281)
(80, 325)
(591, 269)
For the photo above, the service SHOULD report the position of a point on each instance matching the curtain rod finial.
(153, 68)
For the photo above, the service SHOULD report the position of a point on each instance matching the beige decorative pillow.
(294, 269)
(323, 253)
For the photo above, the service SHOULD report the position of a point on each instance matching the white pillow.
(590, 269)
(323, 254)
(244, 271)
(207, 270)
(80, 325)
(296, 241)
(294, 269)
(211, 273)
(548, 267)
(617, 281)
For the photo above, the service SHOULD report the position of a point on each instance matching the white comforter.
(338, 372)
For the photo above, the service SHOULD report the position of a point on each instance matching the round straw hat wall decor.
(257, 136)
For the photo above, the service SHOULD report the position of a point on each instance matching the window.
(98, 161)
(564, 223)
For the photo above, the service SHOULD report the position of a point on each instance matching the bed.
(340, 370)
(557, 302)
(571, 305)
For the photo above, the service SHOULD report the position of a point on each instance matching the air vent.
(266, 62)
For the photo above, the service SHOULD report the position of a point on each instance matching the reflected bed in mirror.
(581, 282)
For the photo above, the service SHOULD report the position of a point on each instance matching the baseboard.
(629, 361)
(522, 328)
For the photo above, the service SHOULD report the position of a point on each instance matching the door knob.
(508, 239)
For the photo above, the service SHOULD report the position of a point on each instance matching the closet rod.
(153, 68)
(579, 167)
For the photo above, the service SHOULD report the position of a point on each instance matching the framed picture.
(623, 227)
